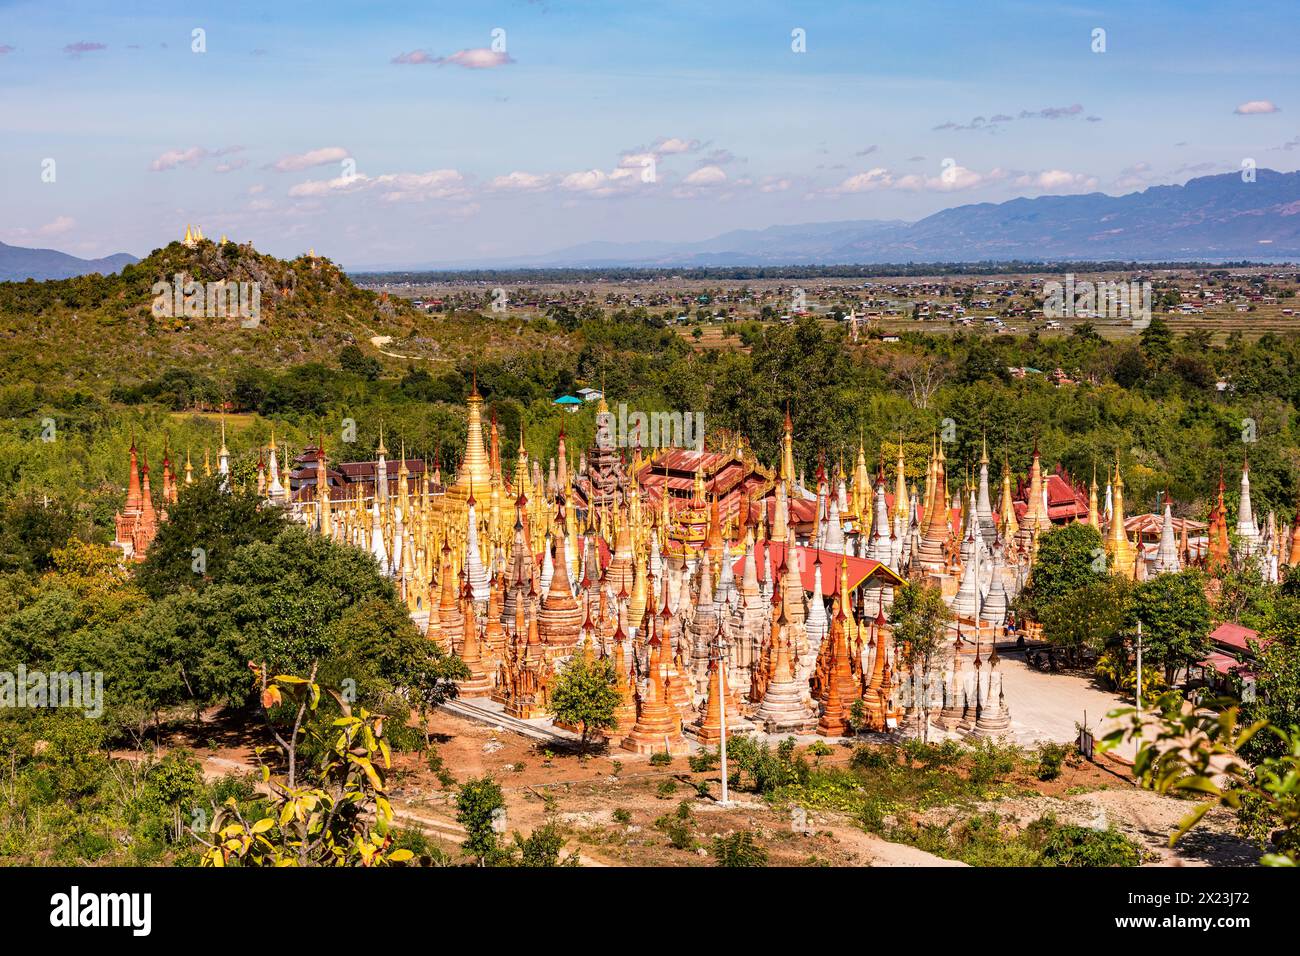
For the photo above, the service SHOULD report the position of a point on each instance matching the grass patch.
(987, 839)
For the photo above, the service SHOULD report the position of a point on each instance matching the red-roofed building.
(730, 477)
(344, 476)
(861, 570)
(1231, 664)
(1066, 500)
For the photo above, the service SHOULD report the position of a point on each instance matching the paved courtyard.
(1046, 706)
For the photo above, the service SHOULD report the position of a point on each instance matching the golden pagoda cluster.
(706, 622)
(759, 605)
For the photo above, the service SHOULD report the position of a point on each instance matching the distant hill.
(100, 332)
(1208, 218)
(17, 264)
(103, 328)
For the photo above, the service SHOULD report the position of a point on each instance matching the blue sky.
(396, 133)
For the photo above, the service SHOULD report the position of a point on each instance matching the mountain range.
(18, 264)
(1220, 217)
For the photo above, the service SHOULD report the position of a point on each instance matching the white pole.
(1139, 672)
(722, 716)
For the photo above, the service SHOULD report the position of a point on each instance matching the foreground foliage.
(1198, 753)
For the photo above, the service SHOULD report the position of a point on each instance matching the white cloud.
(637, 160)
(1056, 180)
(706, 176)
(478, 58)
(178, 157)
(314, 157)
(872, 179)
(518, 181)
(194, 155)
(323, 187)
(393, 187)
(419, 187)
(57, 227)
(1255, 107)
(591, 180)
(955, 178)
(667, 146)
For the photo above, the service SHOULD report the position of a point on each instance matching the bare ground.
(583, 794)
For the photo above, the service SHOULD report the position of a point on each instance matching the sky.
(432, 134)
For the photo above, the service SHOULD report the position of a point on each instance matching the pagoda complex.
(724, 592)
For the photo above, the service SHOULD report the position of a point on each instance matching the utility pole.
(722, 713)
(1139, 672)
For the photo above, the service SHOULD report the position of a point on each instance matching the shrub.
(992, 761)
(542, 848)
(622, 815)
(679, 827)
(739, 849)
(704, 761)
(1050, 758)
(867, 757)
(660, 758)
(666, 789)
(1070, 845)
(767, 770)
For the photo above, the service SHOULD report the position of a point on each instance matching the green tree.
(920, 618)
(479, 804)
(352, 359)
(202, 532)
(586, 694)
(1090, 616)
(1069, 558)
(1175, 616)
(1157, 342)
(286, 596)
(32, 528)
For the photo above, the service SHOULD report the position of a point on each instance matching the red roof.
(1064, 501)
(1234, 636)
(1226, 665)
(860, 569)
(724, 476)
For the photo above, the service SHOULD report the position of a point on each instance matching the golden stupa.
(475, 471)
